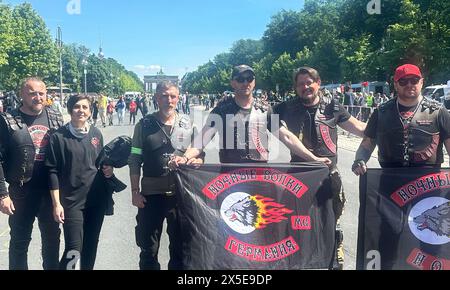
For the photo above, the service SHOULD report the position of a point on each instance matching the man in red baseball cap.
(393, 127)
(410, 131)
(407, 70)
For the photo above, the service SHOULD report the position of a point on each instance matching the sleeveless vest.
(416, 144)
(159, 146)
(20, 156)
(253, 146)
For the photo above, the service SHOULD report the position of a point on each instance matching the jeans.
(120, 114)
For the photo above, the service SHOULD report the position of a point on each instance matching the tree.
(281, 34)
(245, 51)
(5, 33)
(344, 43)
(263, 72)
(282, 71)
(30, 50)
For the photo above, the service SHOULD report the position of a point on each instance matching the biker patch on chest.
(424, 122)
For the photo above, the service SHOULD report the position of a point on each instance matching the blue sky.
(178, 35)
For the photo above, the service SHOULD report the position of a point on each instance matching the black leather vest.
(418, 144)
(250, 148)
(158, 146)
(326, 129)
(20, 156)
(325, 143)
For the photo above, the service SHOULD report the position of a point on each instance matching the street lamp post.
(60, 46)
(85, 77)
(75, 85)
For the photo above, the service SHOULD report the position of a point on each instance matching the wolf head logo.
(436, 219)
(245, 211)
(257, 211)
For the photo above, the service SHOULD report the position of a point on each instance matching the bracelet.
(2, 197)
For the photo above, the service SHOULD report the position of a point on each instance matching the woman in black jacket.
(77, 204)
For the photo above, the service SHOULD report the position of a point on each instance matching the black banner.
(256, 216)
(404, 219)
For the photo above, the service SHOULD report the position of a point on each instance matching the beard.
(309, 100)
(167, 112)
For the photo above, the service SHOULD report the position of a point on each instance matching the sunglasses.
(404, 82)
(241, 79)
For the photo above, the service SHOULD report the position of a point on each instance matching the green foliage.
(343, 42)
(27, 49)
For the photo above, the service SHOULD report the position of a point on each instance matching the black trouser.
(29, 205)
(133, 117)
(81, 233)
(149, 228)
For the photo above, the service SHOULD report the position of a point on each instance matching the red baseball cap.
(405, 70)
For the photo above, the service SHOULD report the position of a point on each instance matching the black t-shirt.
(71, 164)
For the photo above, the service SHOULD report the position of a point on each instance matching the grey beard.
(168, 114)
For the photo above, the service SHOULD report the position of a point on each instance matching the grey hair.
(165, 85)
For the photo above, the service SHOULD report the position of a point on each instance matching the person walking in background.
(133, 111)
(102, 104)
(120, 108)
(110, 113)
(94, 112)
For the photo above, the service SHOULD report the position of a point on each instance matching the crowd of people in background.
(360, 104)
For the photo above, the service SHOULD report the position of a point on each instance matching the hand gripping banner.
(256, 216)
(404, 219)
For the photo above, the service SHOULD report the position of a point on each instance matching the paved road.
(117, 248)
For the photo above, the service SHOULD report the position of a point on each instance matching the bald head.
(34, 96)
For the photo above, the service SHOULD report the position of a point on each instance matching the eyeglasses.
(404, 82)
(241, 79)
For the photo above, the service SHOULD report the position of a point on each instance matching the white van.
(439, 93)
(131, 95)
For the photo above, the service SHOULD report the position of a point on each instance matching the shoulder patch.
(184, 122)
(383, 107)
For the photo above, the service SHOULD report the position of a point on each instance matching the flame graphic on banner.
(269, 211)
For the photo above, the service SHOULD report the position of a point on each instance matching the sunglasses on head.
(241, 79)
(405, 81)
